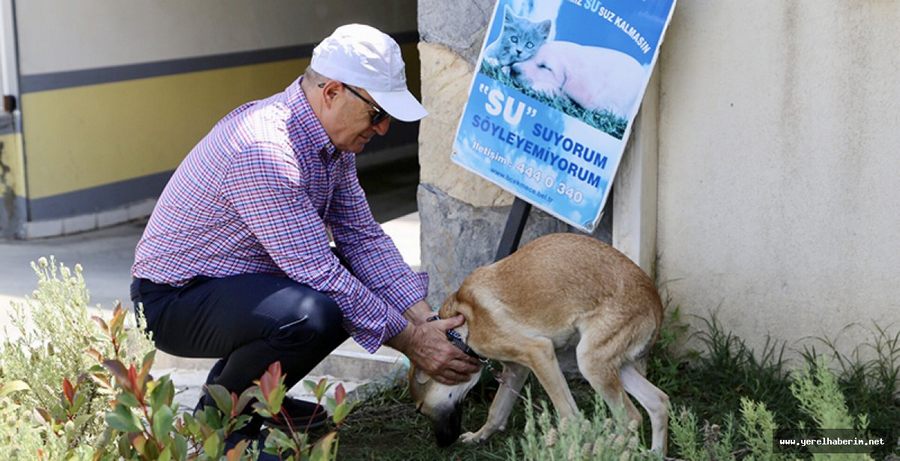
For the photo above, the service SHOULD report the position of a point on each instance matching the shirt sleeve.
(370, 252)
(265, 185)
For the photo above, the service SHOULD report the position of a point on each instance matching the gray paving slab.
(106, 256)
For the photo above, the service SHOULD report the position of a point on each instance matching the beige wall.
(56, 36)
(779, 134)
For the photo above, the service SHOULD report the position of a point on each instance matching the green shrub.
(869, 377)
(602, 437)
(758, 431)
(25, 437)
(818, 396)
(711, 441)
(75, 387)
(54, 346)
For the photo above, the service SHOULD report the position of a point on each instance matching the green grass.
(601, 119)
(709, 382)
(713, 382)
(386, 426)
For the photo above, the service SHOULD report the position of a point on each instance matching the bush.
(75, 387)
(817, 392)
(22, 436)
(753, 437)
(55, 346)
(602, 437)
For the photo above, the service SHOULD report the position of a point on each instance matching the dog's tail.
(640, 350)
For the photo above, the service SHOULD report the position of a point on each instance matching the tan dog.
(558, 291)
(593, 77)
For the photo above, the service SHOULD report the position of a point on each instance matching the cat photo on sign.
(519, 39)
(588, 81)
(537, 11)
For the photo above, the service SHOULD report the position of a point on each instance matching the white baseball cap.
(365, 57)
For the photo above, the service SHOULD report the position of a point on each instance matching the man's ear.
(330, 92)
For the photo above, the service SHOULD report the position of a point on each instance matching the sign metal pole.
(515, 224)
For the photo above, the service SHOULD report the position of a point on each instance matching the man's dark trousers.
(247, 321)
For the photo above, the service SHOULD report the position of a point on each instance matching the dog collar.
(456, 339)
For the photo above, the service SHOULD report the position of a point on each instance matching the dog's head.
(544, 72)
(442, 403)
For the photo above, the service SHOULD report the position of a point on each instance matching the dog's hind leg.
(539, 354)
(511, 380)
(599, 361)
(655, 401)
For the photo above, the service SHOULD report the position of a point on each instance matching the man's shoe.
(236, 437)
(303, 415)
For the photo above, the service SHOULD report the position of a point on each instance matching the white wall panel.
(59, 36)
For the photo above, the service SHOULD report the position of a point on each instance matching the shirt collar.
(309, 123)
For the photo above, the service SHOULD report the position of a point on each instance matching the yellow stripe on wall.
(77, 138)
(11, 158)
(84, 137)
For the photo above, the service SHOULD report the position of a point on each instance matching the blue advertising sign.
(556, 90)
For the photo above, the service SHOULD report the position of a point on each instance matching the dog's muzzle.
(447, 426)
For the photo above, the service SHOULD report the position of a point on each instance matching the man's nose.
(382, 127)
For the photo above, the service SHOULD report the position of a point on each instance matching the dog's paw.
(471, 438)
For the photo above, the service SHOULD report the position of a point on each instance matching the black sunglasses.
(379, 114)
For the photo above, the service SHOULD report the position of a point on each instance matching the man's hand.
(428, 349)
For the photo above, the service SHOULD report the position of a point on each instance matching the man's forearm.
(401, 341)
(418, 313)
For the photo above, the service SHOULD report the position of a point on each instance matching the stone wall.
(462, 215)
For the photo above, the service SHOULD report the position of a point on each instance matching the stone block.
(112, 217)
(461, 26)
(458, 237)
(445, 86)
(80, 223)
(40, 229)
(140, 209)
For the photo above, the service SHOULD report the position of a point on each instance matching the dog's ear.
(557, 69)
(421, 377)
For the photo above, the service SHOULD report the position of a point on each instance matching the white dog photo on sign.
(593, 77)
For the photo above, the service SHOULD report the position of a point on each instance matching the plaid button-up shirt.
(257, 194)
